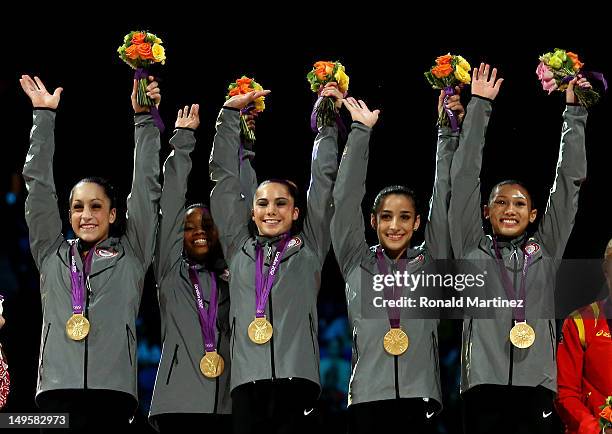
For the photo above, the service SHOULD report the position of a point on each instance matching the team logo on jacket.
(532, 248)
(106, 253)
(295, 241)
(417, 260)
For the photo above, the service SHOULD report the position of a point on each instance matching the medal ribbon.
(390, 293)
(208, 318)
(517, 312)
(77, 279)
(263, 284)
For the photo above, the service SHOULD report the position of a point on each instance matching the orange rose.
(606, 413)
(132, 52)
(144, 50)
(243, 81)
(323, 70)
(444, 60)
(234, 91)
(577, 63)
(138, 38)
(442, 71)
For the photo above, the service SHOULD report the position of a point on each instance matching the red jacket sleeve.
(569, 403)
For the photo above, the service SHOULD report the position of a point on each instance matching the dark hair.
(291, 186)
(395, 189)
(511, 182)
(118, 227)
(197, 205)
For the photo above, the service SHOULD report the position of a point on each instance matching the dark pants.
(508, 409)
(90, 410)
(405, 415)
(193, 422)
(281, 406)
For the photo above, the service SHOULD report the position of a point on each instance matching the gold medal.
(522, 335)
(77, 327)
(396, 342)
(212, 364)
(260, 330)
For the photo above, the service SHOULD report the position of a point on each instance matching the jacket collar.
(105, 254)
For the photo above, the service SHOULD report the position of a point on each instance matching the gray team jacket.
(376, 375)
(106, 359)
(180, 386)
(292, 306)
(487, 355)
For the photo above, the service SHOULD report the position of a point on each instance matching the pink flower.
(543, 72)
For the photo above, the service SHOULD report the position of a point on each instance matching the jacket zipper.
(217, 378)
(395, 362)
(172, 363)
(272, 366)
(511, 366)
(85, 358)
(272, 338)
(233, 335)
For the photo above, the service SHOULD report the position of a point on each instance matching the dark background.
(94, 136)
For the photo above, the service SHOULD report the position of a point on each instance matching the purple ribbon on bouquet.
(590, 75)
(142, 73)
(448, 92)
(313, 119)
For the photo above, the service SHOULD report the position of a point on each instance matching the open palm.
(38, 94)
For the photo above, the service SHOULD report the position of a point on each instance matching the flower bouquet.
(448, 72)
(558, 68)
(605, 417)
(243, 86)
(324, 72)
(140, 50)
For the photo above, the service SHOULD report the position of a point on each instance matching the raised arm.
(464, 216)
(143, 200)
(248, 177)
(558, 219)
(229, 206)
(172, 204)
(41, 208)
(347, 226)
(437, 233)
(323, 171)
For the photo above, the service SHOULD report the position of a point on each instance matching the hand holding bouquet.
(243, 86)
(559, 67)
(140, 50)
(323, 72)
(448, 72)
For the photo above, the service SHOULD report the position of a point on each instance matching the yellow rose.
(159, 54)
(260, 105)
(555, 62)
(561, 55)
(342, 79)
(462, 75)
(462, 63)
